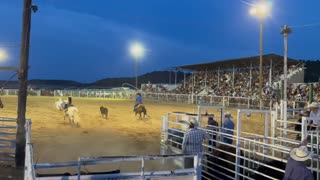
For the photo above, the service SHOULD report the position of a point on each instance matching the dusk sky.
(88, 40)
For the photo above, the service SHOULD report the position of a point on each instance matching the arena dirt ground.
(121, 134)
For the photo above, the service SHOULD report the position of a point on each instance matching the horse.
(104, 112)
(141, 109)
(72, 113)
(1, 104)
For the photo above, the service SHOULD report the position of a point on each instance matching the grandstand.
(239, 77)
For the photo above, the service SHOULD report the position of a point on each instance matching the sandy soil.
(121, 134)
(55, 140)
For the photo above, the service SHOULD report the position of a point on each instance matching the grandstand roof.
(240, 63)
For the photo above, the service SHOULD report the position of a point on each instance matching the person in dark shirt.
(297, 127)
(213, 126)
(296, 168)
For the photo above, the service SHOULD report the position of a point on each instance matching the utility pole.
(23, 80)
(285, 31)
(261, 63)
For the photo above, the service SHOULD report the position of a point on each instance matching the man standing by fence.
(213, 127)
(192, 142)
(315, 112)
(227, 128)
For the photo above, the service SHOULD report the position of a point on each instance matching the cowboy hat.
(300, 154)
(313, 105)
(193, 122)
(228, 114)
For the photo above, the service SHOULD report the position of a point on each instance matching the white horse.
(73, 114)
(60, 104)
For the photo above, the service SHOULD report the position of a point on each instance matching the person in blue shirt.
(227, 128)
(296, 168)
(138, 100)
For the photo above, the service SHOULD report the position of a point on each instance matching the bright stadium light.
(261, 10)
(3, 55)
(136, 51)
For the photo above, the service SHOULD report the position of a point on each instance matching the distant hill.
(153, 77)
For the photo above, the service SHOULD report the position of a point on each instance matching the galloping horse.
(73, 114)
(1, 104)
(141, 109)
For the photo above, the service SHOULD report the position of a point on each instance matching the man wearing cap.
(192, 142)
(296, 168)
(228, 128)
(315, 112)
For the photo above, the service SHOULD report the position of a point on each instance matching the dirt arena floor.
(121, 134)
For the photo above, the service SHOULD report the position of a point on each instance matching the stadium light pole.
(285, 31)
(136, 51)
(261, 10)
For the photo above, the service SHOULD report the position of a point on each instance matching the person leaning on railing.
(296, 168)
(192, 142)
(315, 112)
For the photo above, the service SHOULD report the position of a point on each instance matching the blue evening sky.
(87, 40)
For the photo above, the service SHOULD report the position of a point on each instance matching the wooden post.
(23, 79)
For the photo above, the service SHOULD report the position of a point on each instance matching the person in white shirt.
(315, 112)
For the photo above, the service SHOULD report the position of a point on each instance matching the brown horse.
(141, 109)
(1, 104)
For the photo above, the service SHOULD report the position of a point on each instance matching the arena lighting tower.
(285, 31)
(137, 52)
(261, 10)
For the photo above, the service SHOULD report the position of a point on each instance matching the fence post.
(248, 103)
(165, 127)
(199, 115)
(266, 135)
(210, 99)
(238, 145)
(197, 165)
(273, 135)
(223, 101)
(142, 168)
(79, 168)
(304, 128)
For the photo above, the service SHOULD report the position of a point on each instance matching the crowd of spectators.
(299, 93)
(222, 83)
(245, 84)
